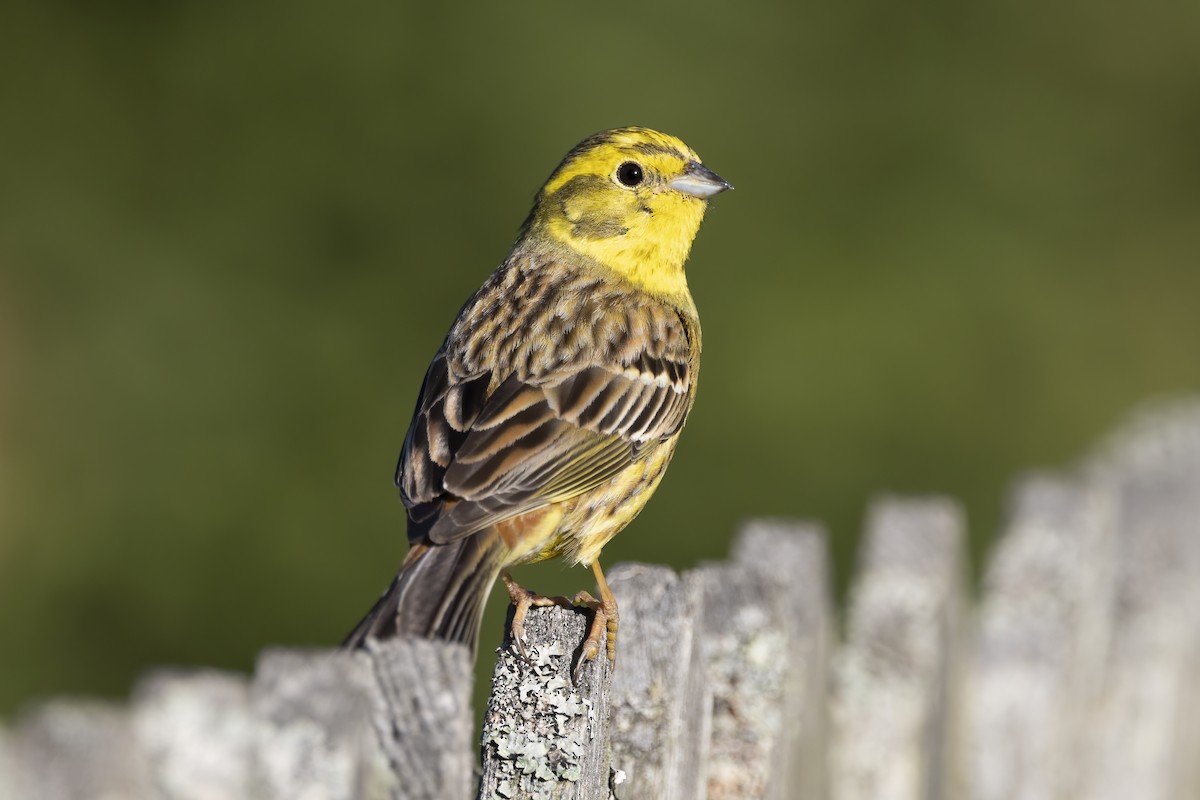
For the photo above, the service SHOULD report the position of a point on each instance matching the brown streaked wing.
(586, 427)
(472, 459)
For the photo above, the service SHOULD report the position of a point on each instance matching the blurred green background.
(963, 243)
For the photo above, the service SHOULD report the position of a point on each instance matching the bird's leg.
(604, 623)
(608, 604)
(523, 600)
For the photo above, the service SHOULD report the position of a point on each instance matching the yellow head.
(631, 199)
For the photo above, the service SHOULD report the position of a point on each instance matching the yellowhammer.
(551, 411)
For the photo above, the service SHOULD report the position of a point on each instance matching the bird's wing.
(473, 457)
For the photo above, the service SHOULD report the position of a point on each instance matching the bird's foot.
(523, 600)
(602, 629)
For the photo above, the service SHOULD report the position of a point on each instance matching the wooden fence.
(1076, 675)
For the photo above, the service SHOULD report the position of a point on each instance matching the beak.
(699, 181)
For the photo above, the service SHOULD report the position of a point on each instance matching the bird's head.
(631, 199)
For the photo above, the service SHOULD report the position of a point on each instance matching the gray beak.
(699, 181)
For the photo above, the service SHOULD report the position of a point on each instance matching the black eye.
(630, 173)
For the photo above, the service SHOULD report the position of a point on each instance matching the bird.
(553, 407)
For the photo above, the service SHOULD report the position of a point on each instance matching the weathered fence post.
(544, 735)
(897, 679)
(1044, 628)
(424, 725)
(1142, 737)
(794, 558)
(753, 649)
(661, 706)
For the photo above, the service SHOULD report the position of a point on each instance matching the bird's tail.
(438, 594)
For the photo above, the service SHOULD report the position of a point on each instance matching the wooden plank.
(1044, 628)
(660, 703)
(896, 681)
(195, 732)
(544, 735)
(1142, 739)
(794, 557)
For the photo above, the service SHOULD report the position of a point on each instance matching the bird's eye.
(630, 174)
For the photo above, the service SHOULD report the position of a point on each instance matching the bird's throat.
(649, 253)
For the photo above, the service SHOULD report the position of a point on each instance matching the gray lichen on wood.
(544, 735)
